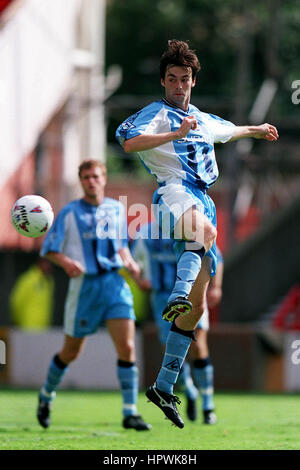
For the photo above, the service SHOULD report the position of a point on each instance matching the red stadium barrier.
(287, 316)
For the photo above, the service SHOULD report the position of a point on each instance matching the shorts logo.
(173, 365)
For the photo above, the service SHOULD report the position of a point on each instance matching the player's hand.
(133, 268)
(74, 268)
(143, 284)
(129, 263)
(266, 131)
(187, 124)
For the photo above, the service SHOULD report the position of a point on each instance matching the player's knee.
(210, 236)
(206, 235)
(198, 228)
(126, 349)
(199, 307)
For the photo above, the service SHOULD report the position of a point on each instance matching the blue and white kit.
(92, 235)
(184, 168)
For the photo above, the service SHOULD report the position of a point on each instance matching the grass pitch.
(92, 421)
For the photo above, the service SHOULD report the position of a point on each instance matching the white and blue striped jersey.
(191, 159)
(90, 234)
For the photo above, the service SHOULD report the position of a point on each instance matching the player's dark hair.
(179, 53)
(88, 164)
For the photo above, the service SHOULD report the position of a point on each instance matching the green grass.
(92, 421)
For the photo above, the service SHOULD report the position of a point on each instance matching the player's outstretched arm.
(150, 141)
(264, 131)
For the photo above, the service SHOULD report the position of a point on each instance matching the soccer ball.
(32, 216)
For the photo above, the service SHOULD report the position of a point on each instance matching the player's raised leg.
(198, 235)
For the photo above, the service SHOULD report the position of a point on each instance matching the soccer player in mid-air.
(175, 141)
(89, 241)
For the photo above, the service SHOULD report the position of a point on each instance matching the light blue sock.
(188, 267)
(186, 382)
(55, 375)
(177, 346)
(128, 377)
(204, 378)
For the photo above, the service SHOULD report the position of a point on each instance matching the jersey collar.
(174, 106)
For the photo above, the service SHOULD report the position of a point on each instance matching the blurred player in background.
(175, 142)
(31, 299)
(157, 260)
(89, 241)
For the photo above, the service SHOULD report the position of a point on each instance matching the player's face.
(178, 83)
(93, 182)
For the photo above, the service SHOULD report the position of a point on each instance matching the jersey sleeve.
(221, 130)
(146, 121)
(54, 240)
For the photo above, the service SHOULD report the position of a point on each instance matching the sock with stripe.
(177, 346)
(204, 377)
(188, 267)
(128, 378)
(56, 371)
